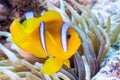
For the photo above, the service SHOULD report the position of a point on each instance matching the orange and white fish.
(45, 36)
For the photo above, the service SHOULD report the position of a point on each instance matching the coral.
(111, 70)
(10, 9)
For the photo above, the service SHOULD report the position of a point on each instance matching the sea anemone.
(96, 38)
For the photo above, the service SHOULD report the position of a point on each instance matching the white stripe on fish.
(42, 32)
(29, 14)
(64, 30)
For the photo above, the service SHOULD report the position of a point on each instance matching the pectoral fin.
(52, 65)
(67, 63)
(51, 45)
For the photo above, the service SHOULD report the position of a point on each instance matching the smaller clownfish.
(45, 36)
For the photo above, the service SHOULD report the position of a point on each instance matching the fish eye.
(68, 36)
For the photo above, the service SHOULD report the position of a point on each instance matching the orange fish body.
(46, 36)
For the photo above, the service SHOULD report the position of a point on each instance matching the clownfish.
(44, 36)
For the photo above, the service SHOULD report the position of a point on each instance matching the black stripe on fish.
(22, 19)
(26, 16)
